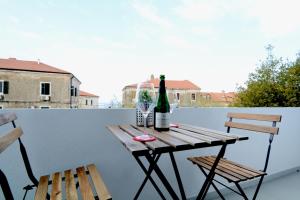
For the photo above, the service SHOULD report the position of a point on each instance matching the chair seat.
(87, 188)
(232, 171)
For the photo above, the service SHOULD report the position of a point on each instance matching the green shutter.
(6, 85)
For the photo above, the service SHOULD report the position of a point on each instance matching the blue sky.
(109, 44)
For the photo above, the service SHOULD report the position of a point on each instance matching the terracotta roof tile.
(172, 84)
(220, 96)
(14, 64)
(86, 94)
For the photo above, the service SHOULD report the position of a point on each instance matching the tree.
(289, 83)
(274, 83)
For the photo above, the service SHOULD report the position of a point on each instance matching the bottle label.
(162, 120)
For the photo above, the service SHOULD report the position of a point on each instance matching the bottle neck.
(162, 87)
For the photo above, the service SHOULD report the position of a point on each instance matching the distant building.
(217, 98)
(88, 100)
(33, 84)
(187, 93)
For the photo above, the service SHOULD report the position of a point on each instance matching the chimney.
(152, 77)
(38, 61)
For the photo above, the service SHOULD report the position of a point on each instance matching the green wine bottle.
(162, 109)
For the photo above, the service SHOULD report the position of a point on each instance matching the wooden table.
(184, 137)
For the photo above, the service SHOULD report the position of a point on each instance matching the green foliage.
(145, 96)
(274, 83)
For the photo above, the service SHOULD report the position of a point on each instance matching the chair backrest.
(8, 139)
(7, 118)
(253, 127)
(272, 129)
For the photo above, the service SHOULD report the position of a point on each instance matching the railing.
(62, 139)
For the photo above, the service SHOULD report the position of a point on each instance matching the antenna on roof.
(38, 61)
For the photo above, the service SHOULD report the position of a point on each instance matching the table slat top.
(182, 137)
(127, 141)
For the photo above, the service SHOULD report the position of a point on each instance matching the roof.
(172, 84)
(23, 65)
(221, 96)
(86, 94)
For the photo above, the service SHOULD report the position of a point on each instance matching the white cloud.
(203, 30)
(98, 40)
(200, 10)
(109, 44)
(150, 13)
(30, 35)
(14, 19)
(177, 42)
(276, 18)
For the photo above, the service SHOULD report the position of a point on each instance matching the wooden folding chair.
(233, 171)
(82, 174)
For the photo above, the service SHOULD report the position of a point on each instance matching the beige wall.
(128, 98)
(88, 102)
(185, 97)
(24, 89)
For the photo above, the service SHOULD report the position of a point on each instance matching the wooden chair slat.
(7, 117)
(221, 168)
(249, 169)
(9, 138)
(259, 117)
(56, 193)
(100, 187)
(235, 169)
(251, 127)
(154, 145)
(208, 167)
(242, 171)
(42, 189)
(71, 192)
(84, 185)
(128, 142)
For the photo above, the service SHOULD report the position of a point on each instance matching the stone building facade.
(32, 84)
(187, 93)
(217, 99)
(88, 100)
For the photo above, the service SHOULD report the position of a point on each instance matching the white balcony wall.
(63, 139)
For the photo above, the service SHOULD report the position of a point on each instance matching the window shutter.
(6, 85)
(72, 91)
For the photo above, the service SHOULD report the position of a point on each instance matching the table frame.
(153, 155)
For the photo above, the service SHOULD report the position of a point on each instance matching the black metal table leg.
(148, 176)
(211, 174)
(181, 189)
(162, 178)
(5, 186)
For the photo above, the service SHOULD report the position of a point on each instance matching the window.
(44, 107)
(193, 96)
(3, 87)
(73, 91)
(86, 102)
(178, 96)
(91, 102)
(45, 89)
(1, 107)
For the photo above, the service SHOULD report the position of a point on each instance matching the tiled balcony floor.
(285, 187)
